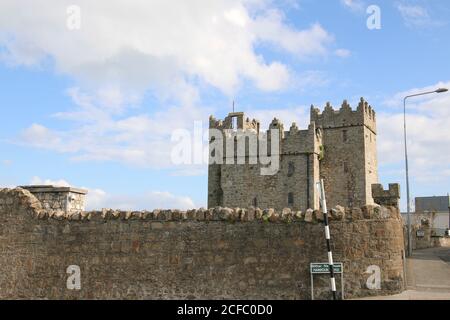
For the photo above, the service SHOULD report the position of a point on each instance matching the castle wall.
(215, 192)
(215, 254)
(342, 169)
(241, 184)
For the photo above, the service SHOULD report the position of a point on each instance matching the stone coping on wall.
(10, 197)
(51, 188)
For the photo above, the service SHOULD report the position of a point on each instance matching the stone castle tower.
(339, 146)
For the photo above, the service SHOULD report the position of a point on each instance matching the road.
(427, 275)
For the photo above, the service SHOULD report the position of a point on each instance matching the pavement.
(427, 276)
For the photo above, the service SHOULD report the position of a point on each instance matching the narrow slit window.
(290, 199)
(291, 169)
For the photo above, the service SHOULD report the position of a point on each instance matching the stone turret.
(349, 167)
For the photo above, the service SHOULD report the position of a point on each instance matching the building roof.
(437, 204)
(51, 188)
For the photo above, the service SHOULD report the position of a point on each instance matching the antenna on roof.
(233, 106)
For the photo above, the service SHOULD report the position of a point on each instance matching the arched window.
(290, 199)
(255, 202)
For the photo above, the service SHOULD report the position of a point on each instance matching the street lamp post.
(408, 204)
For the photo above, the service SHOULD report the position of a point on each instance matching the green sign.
(324, 268)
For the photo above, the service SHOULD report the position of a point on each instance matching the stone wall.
(217, 253)
(423, 235)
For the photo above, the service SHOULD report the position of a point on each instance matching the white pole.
(323, 204)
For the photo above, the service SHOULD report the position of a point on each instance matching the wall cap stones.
(21, 197)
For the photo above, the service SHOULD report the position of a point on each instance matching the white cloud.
(342, 53)
(138, 140)
(7, 162)
(57, 183)
(165, 46)
(97, 199)
(270, 27)
(174, 49)
(428, 134)
(416, 15)
(40, 136)
(297, 114)
(354, 5)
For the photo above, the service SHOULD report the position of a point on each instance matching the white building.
(436, 209)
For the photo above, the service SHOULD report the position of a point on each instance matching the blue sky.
(94, 104)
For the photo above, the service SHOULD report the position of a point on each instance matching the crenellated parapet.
(389, 197)
(364, 115)
(236, 119)
(292, 141)
(302, 141)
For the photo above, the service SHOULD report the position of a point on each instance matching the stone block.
(338, 213)
(356, 214)
(318, 215)
(368, 211)
(309, 215)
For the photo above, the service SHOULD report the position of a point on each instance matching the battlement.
(364, 115)
(388, 197)
(234, 121)
(292, 141)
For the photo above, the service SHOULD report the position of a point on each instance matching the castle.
(339, 146)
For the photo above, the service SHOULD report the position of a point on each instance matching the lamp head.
(441, 90)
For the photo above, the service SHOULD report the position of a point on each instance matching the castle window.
(290, 199)
(344, 136)
(291, 169)
(345, 167)
(255, 202)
